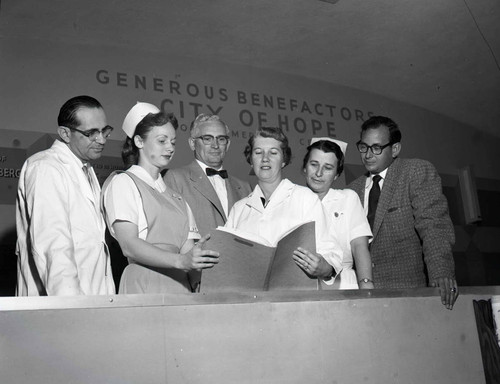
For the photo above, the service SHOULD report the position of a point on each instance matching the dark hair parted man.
(60, 227)
(207, 187)
(408, 213)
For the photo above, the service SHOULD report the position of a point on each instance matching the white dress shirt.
(219, 185)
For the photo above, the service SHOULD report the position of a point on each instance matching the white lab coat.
(289, 206)
(60, 228)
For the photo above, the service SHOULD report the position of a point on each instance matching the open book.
(249, 263)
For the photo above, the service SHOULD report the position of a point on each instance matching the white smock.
(289, 206)
(347, 220)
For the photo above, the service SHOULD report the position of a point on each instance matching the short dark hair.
(67, 113)
(378, 121)
(130, 152)
(328, 147)
(273, 133)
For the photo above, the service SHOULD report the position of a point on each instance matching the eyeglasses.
(209, 139)
(375, 148)
(94, 133)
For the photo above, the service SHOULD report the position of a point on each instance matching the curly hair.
(273, 133)
(130, 152)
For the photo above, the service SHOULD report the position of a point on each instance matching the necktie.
(212, 172)
(373, 200)
(93, 186)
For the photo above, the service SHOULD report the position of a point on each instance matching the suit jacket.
(60, 228)
(411, 226)
(193, 184)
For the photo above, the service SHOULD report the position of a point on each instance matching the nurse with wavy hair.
(153, 224)
(323, 164)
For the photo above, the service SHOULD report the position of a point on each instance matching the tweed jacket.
(412, 228)
(193, 184)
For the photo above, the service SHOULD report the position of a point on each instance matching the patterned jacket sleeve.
(432, 219)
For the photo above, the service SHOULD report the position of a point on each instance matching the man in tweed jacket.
(412, 229)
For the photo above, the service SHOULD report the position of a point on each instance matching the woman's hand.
(199, 258)
(312, 263)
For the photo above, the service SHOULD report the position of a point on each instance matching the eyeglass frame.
(94, 131)
(370, 147)
(211, 139)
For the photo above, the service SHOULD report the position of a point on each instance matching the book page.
(246, 235)
(243, 264)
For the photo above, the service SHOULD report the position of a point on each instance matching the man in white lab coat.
(60, 227)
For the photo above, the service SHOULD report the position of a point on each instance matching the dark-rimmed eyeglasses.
(94, 133)
(209, 139)
(375, 148)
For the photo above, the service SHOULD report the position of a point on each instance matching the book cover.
(249, 263)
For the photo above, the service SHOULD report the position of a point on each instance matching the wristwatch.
(365, 280)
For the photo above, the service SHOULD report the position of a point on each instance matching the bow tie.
(212, 172)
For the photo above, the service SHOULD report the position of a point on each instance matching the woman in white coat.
(323, 164)
(276, 205)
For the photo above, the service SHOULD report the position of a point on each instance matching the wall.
(38, 76)
(320, 337)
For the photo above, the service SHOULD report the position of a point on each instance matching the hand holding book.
(248, 265)
(312, 264)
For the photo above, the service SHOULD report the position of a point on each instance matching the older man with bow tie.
(206, 186)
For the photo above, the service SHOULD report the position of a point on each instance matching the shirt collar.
(283, 189)
(142, 174)
(369, 180)
(204, 166)
(330, 195)
(66, 149)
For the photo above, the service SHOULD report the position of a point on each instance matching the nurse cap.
(341, 144)
(135, 115)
